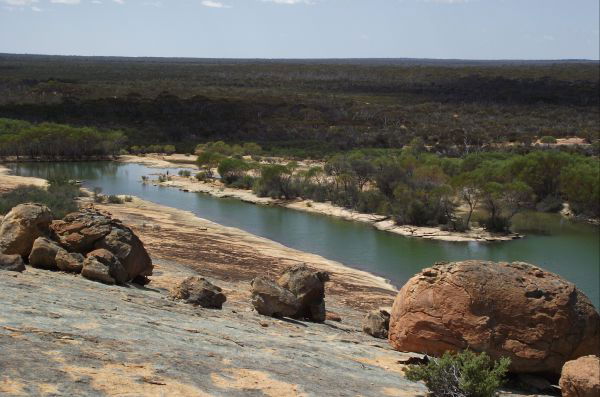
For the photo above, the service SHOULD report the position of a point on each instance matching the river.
(569, 249)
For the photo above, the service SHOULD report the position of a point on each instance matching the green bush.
(548, 139)
(113, 199)
(185, 173)
(464, 374)
(59, 197)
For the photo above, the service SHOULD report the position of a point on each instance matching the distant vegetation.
(49, 140)
(420, 188)
(307, 108)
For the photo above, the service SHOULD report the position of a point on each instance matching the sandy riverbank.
(9, 182)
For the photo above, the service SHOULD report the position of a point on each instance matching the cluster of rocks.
(87, 242)
(299, 293)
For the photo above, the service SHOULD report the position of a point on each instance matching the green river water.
(569, 249)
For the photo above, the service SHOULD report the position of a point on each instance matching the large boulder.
(270, 299)
(87, 230)
(43, 253)
(581, 377)
(21, 226)
(518, 310)
(12, 263)
(198, 291)
(102, 265)
(309, 288)
(376, 323)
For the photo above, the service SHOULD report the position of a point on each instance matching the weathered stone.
(97, 271)
(126, 246)
(198, 291)
(69, 261)
(309, 288)
(43, 253)
(89, 229)
(115, 268)
(517, 310)
(21, 226)
(581, 377)
(376, 323)
(12, 263)
(270, 299)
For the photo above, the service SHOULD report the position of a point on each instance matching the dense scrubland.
(415, 140)
(306, 108)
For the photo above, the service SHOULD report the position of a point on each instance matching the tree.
(232, 169)
(209, 160)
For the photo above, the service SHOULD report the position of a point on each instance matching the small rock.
(94, 270)
(331, 316)
(115, 268)
(309, 288)
(198, 291)
(13, 263)
(69, 261)
(581, 377)
(43, 253)
(270, 299)
(376, 323)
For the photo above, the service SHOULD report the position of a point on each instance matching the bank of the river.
(9, 182)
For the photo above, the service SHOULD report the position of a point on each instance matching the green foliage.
(276, 181)
(185, 173)
(465, 374)
(232, 169)
(49, 140)
(114, 199)
(580, 183)
(548, 139)
(59, 197)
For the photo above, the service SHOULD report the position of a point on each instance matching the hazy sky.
(473, 29)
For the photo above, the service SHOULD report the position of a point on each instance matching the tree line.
(49, 140)
(416, 187)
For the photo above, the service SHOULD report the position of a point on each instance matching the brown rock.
(518, 310)
(89, 229)
(581, 377)
(376, 323)
(270, 299)
(331, 316)
(97, 271)
(21, 226)
(309, 287)
(13, 263)
(69, 261)
(198, 291)
(102, 265)
(43, 253)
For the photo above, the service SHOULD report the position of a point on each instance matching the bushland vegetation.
(416, 187)
(49, 140)
(307, 108)
(58, 196)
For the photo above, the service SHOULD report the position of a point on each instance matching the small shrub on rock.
(464, 374)
(113, 199)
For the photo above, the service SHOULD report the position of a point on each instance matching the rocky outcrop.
(270, 299)
(581, 377)
(198, 291)
(69, 261)
(376, 323)
(21, 226)
(43, 253)
(12, 263)
(309, 288)
(90, 230)
(518, 310)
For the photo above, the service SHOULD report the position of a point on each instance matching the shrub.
(59, 197)
(128, 199)
(113, 199)
(201, 176)
(185, 173)
(464, 374)
(548, 139)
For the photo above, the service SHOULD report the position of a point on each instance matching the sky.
(443, 29)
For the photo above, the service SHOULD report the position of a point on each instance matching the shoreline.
(379, 222)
